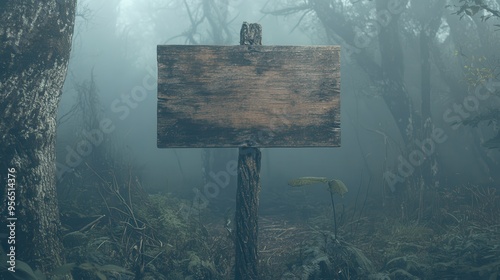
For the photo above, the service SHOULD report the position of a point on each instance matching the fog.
(116, 42)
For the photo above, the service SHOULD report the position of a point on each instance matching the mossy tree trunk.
(36, 41)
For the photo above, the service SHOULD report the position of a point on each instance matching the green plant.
(490, 117)
(101, 271)
(330, 258)
(334, 186)
(22, 270)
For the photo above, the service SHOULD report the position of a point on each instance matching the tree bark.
(36, 41)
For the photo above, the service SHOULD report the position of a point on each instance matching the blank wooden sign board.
(248, 96)
(259, 96)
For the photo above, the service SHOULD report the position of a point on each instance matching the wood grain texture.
(259, 96)
(247, 214)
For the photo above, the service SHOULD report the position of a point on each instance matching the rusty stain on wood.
(260, 96)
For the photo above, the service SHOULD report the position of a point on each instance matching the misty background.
(114, 49)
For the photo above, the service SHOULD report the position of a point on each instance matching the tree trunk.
(392, 65)
(429, 28)
(36, 42)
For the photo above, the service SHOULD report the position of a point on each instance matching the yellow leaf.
(337, 186)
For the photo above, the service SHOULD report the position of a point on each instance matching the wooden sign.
(248, 95)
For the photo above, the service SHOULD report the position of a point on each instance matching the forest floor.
(121, 232)
(457, 237)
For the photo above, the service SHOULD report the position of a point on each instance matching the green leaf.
(101, 275)
(304, 181)
(23, 272)
(64, 269)
(337, 186)
(115, 269)
(87, 266)
(39, 275)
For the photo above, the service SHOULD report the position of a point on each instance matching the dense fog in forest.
(406, 188)
(115, 46)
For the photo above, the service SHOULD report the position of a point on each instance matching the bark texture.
(246, 220)
(36, 42)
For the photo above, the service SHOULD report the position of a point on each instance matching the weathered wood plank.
(260, 96)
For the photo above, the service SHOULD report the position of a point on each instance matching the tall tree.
(428, 16)
(36, 38)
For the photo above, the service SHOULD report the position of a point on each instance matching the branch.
(288, 11)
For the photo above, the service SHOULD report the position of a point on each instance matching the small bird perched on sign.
(251, 34)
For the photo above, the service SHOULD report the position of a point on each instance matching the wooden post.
(247, 194)
(247, 204)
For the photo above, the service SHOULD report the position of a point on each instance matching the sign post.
(247, 97)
